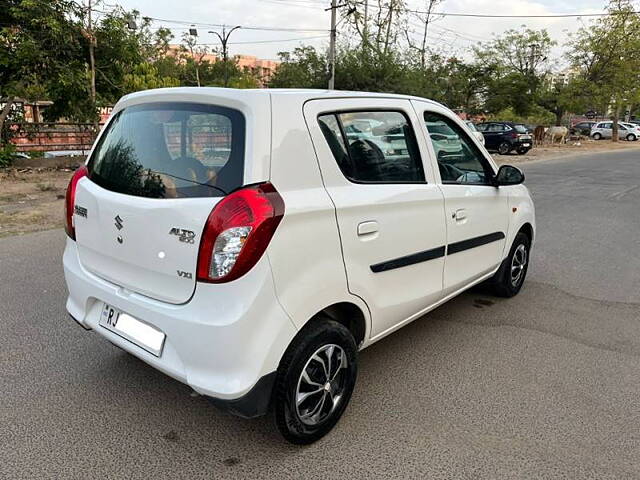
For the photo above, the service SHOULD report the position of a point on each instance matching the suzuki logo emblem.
(118, 223)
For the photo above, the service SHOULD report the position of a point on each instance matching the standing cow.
(557, 132)
(538, 134)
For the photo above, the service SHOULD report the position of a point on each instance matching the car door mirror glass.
(509, 175)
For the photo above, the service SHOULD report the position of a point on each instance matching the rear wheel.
(631, 137)
(522, 150)
(504, 148)
(509, 278)
(597, 136)
(315, 381)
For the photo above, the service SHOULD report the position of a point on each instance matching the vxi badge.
(186, 236)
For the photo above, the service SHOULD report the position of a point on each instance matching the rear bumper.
(223, 343)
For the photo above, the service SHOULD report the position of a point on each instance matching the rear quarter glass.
(171, 150)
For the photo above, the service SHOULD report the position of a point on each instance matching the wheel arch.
(348, 314)
(527, 229)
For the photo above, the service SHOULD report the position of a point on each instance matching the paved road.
(543, 385)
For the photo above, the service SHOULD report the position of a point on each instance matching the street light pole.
(224, 38)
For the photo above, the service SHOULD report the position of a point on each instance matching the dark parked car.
(505, 137)
(582, 128)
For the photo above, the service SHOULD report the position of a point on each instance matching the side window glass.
(459, 160)
(495, 127)
(331, 130)
(373, 147)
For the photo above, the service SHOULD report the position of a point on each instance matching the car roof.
(249, 94)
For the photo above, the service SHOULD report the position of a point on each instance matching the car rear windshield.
(521, 129)
(171, 150)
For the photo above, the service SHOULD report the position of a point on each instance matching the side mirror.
(508, 175)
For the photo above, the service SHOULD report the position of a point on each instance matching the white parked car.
(626, 131)
(240, 242)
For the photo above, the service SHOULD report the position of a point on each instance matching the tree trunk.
(5, 112)
(616, 117)
(559, 115)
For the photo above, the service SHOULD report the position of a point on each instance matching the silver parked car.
(626, 131)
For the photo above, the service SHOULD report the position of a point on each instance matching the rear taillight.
(513, 135)
(70, 200)
(237, 232)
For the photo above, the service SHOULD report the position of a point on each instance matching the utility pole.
(224, 38)
(332, 46)
(92, 60)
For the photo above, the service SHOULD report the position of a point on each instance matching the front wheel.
(504, 148)
(315, 381)
(509, 278)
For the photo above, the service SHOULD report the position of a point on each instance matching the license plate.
(141, 334)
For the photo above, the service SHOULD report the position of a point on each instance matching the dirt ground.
(547, 151)
(32, 199)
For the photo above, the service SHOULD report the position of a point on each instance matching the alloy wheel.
(518, 264)
(321, 385)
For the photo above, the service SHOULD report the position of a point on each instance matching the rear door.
(154, 177)
(476, 212)
(493, 135)
(389, 211)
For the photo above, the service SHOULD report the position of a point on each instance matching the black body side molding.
(437, 252)
(408, 260)
(474, 242)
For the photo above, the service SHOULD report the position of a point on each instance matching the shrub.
(7, 151)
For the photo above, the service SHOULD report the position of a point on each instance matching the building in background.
(261, 68)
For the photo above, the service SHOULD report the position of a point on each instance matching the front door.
(389, 210)
(476, 211)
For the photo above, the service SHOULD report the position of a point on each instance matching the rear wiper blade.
(189, 180)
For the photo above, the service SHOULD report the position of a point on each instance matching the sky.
(452, 34)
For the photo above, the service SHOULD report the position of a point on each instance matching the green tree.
(145, 76)
(519, 65)
(606, 55)
(41, 54)
(305, 67)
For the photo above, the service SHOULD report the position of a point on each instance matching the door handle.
(366, 228)
(459, 214)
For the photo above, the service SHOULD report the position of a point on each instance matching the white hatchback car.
(626, 131)
(240, 242)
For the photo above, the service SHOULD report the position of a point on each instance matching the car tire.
(509, 278)
(597, 136)
(522, 151)
(504, 148)
(631, 137)
(315, 380)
